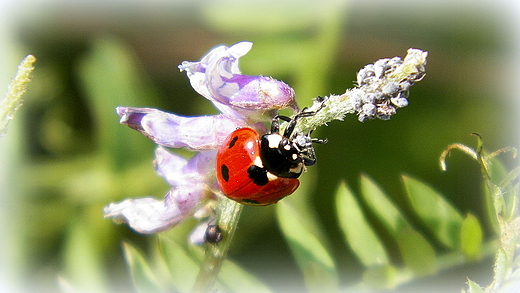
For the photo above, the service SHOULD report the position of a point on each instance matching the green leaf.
(490, 209)
(497, 171)
(112, 78)
(438, 215)
(382, 207)
(418, 255)
(471, 237)
(142, 276)
(416, 252)
(358, 233)
(182, 266)
(474, 287)
(236, 279)
(83, 258)
(501, 266)
(314, 260)
(510, 192)
(380, 277)
(510, 177)
(499, 194)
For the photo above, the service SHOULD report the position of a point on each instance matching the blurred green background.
(66, 156)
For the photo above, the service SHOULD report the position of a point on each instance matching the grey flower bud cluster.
(379, 91)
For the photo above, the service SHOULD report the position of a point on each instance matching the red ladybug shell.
(238, 153)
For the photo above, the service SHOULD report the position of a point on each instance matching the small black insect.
(213, 234)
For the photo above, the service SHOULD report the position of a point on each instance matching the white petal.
(145, 215)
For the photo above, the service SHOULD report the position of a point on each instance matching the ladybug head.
(285, 155)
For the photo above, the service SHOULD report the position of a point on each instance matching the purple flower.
(218, 79)
(243, 101)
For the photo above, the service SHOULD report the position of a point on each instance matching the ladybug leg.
(319, 140)
(275, 124)
(304, 113)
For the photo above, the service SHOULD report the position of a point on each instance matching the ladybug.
(213, 234)
(256, 170)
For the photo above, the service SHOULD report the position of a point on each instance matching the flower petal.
(198, 234)
(170, 130)
(145, 215)
(186, 197)
(179, 171)
(169, 166)
(263, 93)
(217, 77)
(148, 215)
(227, 57)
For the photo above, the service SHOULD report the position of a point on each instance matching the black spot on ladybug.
(250, 201)
(258, 175)
(233, 141)
(213, 234)
(225, 172)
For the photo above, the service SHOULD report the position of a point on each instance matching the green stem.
(508, 235)
(18, 86)
(228, 214)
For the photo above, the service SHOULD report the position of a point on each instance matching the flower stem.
(228, 214)
(13, 98)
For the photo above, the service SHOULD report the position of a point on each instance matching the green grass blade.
(142, 275)
(357, 231)
(236, 279)
(314, 260)
(417, 254)
(382, 207)
(111, 77)
(437, 214)
(83, 258)
(380, 278)
(182, 266)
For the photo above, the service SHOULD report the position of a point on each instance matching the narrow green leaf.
(438, 215)
(314, 260)
(111, 78)
(514, 202)
(83, 258)
(380, 277)
(382, 207)
(358, 233)
(510, 177)
(501, 266)
(142, 276)
(471, 237)
(182, 266)
(418, 255)
(474, 287)
(497, 171)
(510, 191)
(490, 210)
(236, 279)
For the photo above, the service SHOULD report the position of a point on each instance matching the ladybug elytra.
(256, 170)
